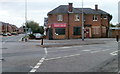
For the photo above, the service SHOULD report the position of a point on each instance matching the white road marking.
(40, 62)
(53, 58)
(20, 39)
(86, 50)
(114, 53)
(94, 51)
(62, 57)
(46, 51)
(65, 47)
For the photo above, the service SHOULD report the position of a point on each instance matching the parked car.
(38, 36)
(9, 34)
(14, 33)
(4, 34)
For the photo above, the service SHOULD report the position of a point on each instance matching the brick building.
(7, 28)
(65, 22)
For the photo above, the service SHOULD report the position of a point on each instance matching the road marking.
(62, 57)
(94, 51)
(40, 62)
(65, 47)
(114, 53)
(86, 50)
(20, 39)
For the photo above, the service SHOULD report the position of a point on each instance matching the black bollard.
(42, 41)
(25, 39)
(22, 39)
(117, 38)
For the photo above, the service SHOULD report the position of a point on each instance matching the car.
(9, 34)
(14, 33)
(38, 36)
(4, 34)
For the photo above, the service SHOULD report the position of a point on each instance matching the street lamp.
(25, 20)
(82, 23)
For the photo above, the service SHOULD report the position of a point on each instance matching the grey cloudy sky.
(13, 11)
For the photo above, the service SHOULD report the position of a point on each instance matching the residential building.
(65, 22)
(6, 27)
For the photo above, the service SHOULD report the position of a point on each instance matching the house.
(6, 27)
(65, 22)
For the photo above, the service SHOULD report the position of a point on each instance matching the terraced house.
(65, 22)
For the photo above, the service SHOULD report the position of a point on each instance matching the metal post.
(68, 25)
(42, 41)
(82, 23)
(25, 20)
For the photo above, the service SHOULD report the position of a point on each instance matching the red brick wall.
(72, 23)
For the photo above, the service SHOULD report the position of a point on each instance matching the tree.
(35, 27)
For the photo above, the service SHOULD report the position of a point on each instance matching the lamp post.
(82, 23)
(25, 20)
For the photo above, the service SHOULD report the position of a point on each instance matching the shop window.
(60, 17)
(95, 18)
(60, 31)
(77, 30)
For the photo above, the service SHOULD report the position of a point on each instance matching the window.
(77, 30)
(103, 29)
(77, 17)
(60, 31)
(60, 18)
(105, 17)
(95, 18)
(96, 30)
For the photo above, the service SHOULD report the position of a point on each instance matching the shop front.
(57, 31)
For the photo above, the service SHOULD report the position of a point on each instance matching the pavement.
(71, 42)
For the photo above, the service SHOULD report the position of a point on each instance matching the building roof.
(63, 9)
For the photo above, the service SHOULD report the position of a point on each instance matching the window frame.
(60, 32)
(60, 17)
(105, 17)
(95, 18)
(77, 31)
(77, 17)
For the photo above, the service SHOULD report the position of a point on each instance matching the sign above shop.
(59, 25)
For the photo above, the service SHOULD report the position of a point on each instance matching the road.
(19, 56)
(29, 57)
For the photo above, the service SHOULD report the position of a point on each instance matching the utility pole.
(82, 23)
(25, 20)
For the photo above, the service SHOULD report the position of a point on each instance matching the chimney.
(70, 7)
(96, 7)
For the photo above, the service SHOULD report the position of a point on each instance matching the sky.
(13, 11)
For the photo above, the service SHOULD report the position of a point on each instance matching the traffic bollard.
(42, 41)
(117, 38)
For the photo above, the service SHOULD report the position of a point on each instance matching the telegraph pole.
(82, 23)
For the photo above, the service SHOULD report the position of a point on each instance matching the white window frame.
(95, 18)
(77, 17)
(105, 17)
(60, 17)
